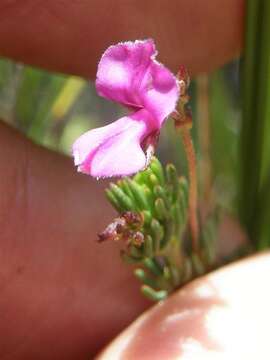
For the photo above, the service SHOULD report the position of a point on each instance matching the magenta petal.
(121, 71)
(113, 150)
(162, 92)
(129, 74)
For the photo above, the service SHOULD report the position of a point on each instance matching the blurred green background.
(54, 109)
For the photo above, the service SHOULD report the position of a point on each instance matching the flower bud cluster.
(152, 223)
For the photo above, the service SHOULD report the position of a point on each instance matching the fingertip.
(223, 315)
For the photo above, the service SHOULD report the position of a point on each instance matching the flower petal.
(115, 149)
(129, 74)
(121, 71)
(162, 92)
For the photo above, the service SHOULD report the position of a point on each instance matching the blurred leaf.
(5, 72)
(255, 134)
(10, 76)
(35, 97)
(67, 96)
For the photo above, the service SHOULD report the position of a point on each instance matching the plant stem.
(183, 123)
(255, 135)
(249, 150)
(193, 201)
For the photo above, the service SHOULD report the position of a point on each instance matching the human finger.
(70, 36)
(63, 295)
(221, 316)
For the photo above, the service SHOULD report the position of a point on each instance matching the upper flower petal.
(121, 71)
(115, 149)
(161, 92)
(129, 74)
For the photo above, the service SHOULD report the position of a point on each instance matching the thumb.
(223, 315)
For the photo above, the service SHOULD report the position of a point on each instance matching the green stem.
(264, 115)
(255, 87)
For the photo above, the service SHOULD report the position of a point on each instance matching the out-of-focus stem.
(193, 197)
(183, 123)
(255, 140)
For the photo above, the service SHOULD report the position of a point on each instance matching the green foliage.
(37, 92)
(149, 193)
(154, 203)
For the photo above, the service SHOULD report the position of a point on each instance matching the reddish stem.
(191, 159)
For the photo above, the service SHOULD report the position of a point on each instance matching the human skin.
(63, 296)
(221, 316)
(70, 36)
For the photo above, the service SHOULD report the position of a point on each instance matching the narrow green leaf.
(149, 196)
(157, 169)
(142, 276)
(153, 180)
(124, 201)
(142, 177)
(183, 184)
(147, 216)
(138, 194)
(160, 208)
(178, 218)
(113, 200)
(173, 180)
(151, 265)
(123, 184)
(171, 173)
(169, 233)
(148, 246)
(152, 294)
(160, 191)
(183, 199)
(255, 138)
(157, 232)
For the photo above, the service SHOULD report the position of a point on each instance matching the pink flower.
(128, 74)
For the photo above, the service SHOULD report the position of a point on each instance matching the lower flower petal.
(115, 149)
